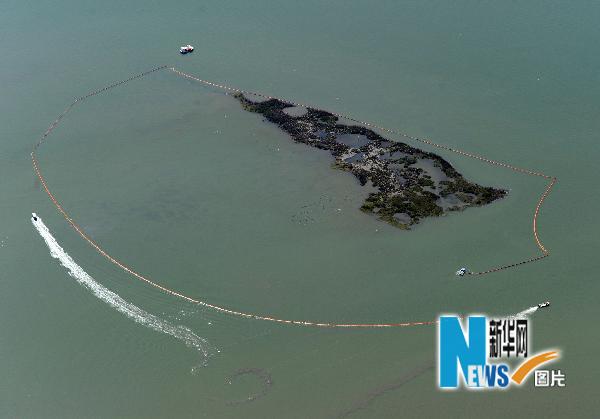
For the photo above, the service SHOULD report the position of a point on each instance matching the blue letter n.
(453, 348)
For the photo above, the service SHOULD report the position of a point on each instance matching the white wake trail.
(114, 300)
(525, 312)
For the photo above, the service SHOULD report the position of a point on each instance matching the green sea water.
(178, 181)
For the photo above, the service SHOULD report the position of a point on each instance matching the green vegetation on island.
(411, 184)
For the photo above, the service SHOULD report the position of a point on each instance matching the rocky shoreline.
(411, 184)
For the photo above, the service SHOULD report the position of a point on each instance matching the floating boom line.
(552, 180)
(101, 251)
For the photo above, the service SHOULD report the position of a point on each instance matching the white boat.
(186, 49)
(545, 304)
(461, 272)
(34, 216)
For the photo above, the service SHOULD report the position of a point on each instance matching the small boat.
(186, 49)
(543, 305)
(461, 272)
(34, 216)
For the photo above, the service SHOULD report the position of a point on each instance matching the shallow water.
(178, 181)
(353, 140)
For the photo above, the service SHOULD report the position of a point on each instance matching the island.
(408, 184)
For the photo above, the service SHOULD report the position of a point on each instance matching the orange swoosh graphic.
(529, 365)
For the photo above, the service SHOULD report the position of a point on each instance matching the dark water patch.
(264, 378)
(355, 158)
(403, 218)
(432, 169)
(352, 140)
(456, 201)
(393, 156)
(296, 111)
(365, 401)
